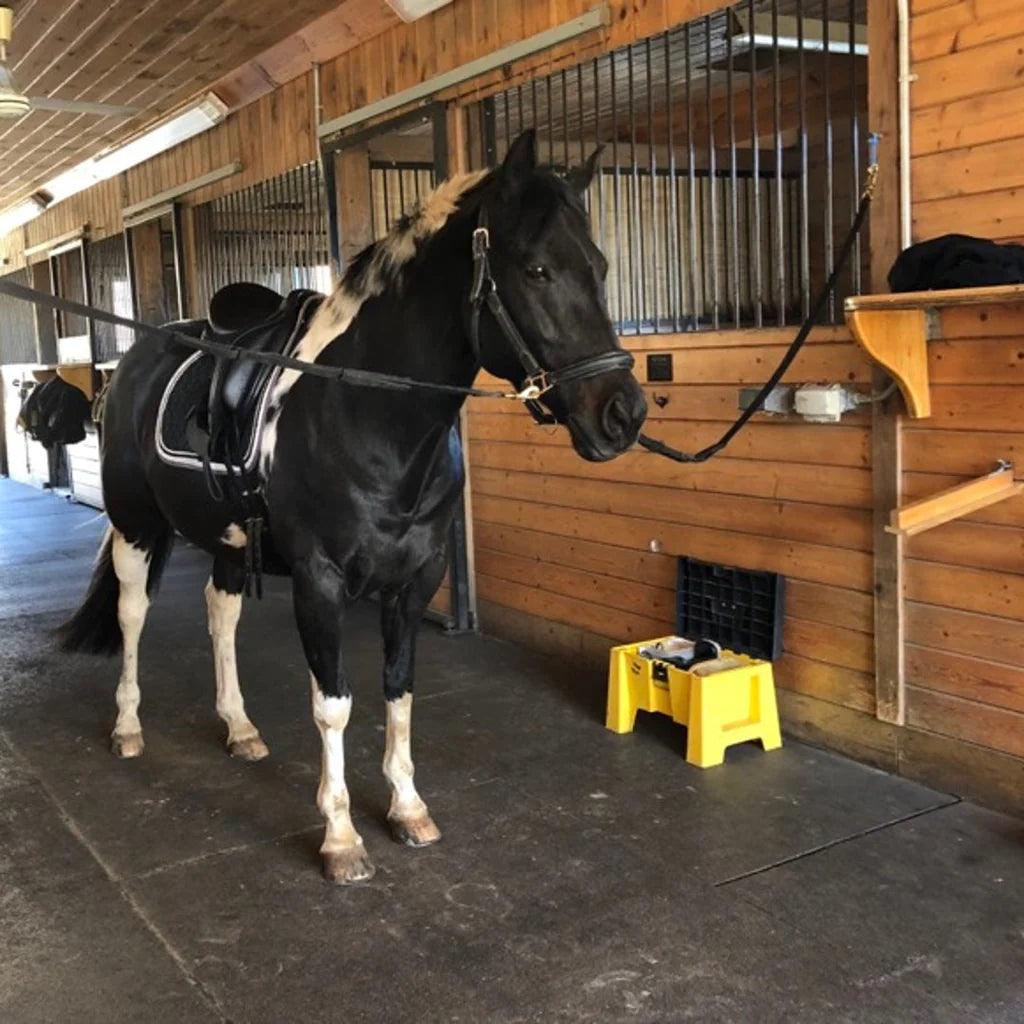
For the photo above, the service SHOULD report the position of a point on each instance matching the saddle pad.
(187, 392)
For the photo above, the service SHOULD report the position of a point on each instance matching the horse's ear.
(581, 177)
(520, 161)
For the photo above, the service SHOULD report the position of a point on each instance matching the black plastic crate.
(739, 608)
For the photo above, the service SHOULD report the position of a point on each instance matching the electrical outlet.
(824, 403)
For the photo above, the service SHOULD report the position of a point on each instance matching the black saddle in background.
(54, 413)
(956, 261)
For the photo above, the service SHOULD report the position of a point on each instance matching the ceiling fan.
(14, 103)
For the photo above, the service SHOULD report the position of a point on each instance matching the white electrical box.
(823, 403)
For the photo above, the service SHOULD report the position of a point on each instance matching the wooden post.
(887, 479)
(886, 423)
(355, 219)
(883, 118)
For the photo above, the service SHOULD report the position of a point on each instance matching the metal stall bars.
(733, 145)
(111, 290)
(18, 337)
(273, 233)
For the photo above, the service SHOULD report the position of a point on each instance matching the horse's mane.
(377, 266)
(381, 261)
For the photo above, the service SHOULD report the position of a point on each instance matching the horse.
(360, 484)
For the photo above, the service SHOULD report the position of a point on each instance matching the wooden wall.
(569, 542)
(965, 580)
(967, 131)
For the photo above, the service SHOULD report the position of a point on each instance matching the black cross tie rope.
(349, 375)
(660, 448)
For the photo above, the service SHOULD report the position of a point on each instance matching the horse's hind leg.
(400, 619)
(131, 565)
(224, 607)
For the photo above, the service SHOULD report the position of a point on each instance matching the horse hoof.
(251, 749)
(415, 832)
(345, 867)
(127, 746)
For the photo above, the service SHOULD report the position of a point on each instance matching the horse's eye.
(538, 273)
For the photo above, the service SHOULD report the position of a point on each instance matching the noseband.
(536, 381)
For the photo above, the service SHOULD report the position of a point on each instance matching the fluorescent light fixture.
(18, 216)
(789, 37)
(194, 120)
(410, 10)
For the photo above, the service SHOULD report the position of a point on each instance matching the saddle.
(213, 409)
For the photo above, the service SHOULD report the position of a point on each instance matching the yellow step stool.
(718, 710)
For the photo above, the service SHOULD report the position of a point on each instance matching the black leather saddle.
(214, 407)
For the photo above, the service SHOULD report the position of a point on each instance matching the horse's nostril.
(615, 418)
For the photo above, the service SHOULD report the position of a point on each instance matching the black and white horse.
(360, 485)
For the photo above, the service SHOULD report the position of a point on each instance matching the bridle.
(536, 381)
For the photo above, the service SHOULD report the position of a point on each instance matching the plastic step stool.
(718, 710)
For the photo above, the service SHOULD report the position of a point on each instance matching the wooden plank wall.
(569, 542)
(965, 580)
(967, 132)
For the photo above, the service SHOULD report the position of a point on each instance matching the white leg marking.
(234, 536)
(224, 610)
(344, 856)
(132, 567)
(410, 821)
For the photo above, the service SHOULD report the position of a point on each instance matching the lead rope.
(660, 448)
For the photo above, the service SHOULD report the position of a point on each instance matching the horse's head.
(549, 276)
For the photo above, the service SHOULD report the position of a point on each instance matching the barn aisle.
(582, 876)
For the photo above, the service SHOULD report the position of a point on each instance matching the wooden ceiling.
(157, 55)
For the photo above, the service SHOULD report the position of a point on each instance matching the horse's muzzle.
(615, 426)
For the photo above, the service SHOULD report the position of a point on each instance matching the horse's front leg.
(401, 613)
(319, 609)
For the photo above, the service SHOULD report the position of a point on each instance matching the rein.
(484, 292)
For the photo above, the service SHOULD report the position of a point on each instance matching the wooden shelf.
(897, 339)
(80, 375)
(955, 502)
(894, 329)
(989, 295)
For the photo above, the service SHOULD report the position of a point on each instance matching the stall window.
(68, 280)
(273, 233)
(733, 151)
(111, 290)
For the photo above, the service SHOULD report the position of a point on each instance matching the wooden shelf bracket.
(955, 502)
(897, 339)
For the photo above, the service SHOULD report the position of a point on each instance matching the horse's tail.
(94, 628)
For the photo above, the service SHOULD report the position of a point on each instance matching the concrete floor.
(582, 876)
